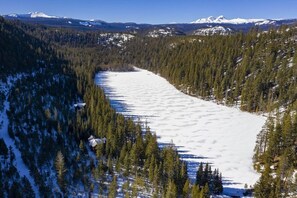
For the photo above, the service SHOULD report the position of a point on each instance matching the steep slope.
(19, 51)
(28, 67)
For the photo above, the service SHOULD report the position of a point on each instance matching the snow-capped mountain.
(32, 15)
(220, 30)
(223, 20)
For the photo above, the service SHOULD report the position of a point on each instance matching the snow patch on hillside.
(85, 23)
(161, 32)
(203, 131)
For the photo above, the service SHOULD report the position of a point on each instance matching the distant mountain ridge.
(204, 26)
(219, 20)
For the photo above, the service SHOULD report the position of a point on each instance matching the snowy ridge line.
(222, 20)
(220, 135)
(19, 163)
(33, 15)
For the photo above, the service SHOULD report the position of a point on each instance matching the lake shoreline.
(221, 151)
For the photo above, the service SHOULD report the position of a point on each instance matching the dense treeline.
(213, 179)
(53, 76)
(275, 156)
(256, 70)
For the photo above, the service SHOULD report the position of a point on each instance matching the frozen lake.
(202, 131)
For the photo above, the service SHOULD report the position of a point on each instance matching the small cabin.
(79, 105)
(93, 142)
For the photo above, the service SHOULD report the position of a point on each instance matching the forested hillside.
(20, 52)
(38, 93)
(256, 70)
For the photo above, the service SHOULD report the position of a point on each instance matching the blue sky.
(154, 11)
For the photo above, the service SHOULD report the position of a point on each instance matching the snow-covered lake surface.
(203, 131)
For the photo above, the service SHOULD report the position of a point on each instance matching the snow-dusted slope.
(213, 30)
(4, 121)
(217, 134)
(91, 23)
(163, 32)
(116, 39)
(223, 20)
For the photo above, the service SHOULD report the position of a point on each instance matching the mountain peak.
(211, 18)
(221, 17)
(40, 15)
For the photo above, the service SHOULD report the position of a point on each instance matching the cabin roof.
(80, 104)
(95, 141)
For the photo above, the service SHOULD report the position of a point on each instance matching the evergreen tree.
(171, 190)
(61, 169)
(113, 188)
(186, 189)
(199, 175)
(205, 192)
(195, 191)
